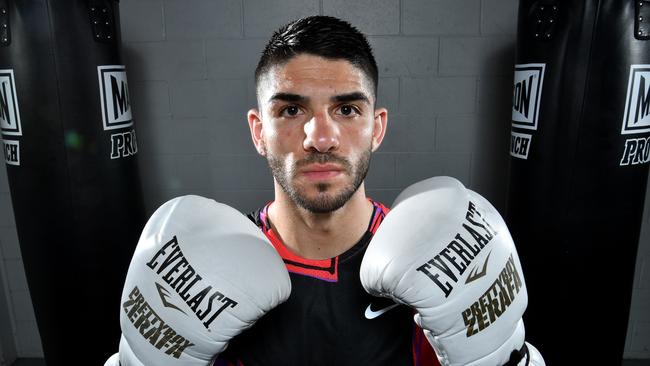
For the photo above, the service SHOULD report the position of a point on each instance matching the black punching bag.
(579, 166)
(69, 146)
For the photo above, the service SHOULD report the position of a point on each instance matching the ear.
(255, 125)
(379, 127)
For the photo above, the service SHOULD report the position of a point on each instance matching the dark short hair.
(323, 36)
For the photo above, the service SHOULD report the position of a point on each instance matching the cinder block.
(28, 340)
(499, 16)
(147, 130)
(4, 181)
(402, 56)
(202, 19)
(640, 342)
(456, 133)
(488, 55)
(414, 167)
(495, 97)
(9, 242)
(409, 133)
(16, 278)
(381, 173)
(489, 175)
(263, 17)
(158, 176)
(142, 20)
(440, 17)
(230, 134)
(388, 95)
(639, 307)
(22, 305)
(190, 173)
(228, 97)
(643, 272)
(190, 99)
(186, 136)
(240, 172)
(7, 339)
(178, 60)
(150, 99)
(174, 136)
(178, 174)
(438, 95)
(245, 201)
(6, 211)
(384, 196)
(228, 59)
(369, 16)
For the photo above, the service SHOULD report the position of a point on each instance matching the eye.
(348, 110)
(290, 111)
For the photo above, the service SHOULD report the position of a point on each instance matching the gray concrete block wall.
(21, 337)
(638, 332)
(445, 76)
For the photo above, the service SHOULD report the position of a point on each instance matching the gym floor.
(40, 362)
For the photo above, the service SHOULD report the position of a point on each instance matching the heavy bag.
(69, 144)
(578, 170)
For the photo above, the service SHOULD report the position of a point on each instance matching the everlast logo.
(152, 327)
(636, 151)
(495, 301)
(637, 102)
(519, 145)
(526, 95)
(123, 144)
(445, 268)
(206, 302)
(9, 113)
(12, 152)
(116, 106)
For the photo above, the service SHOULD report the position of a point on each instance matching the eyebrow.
(349, 97)
(288, 97)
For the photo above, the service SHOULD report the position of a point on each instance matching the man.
(206, 283)
(317, 124)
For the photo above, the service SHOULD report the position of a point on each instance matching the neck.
(320, 235)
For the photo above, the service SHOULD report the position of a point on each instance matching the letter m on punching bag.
(637, 104)
(114, 92)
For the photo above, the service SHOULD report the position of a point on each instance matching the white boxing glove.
(201, 273)
(445, 251)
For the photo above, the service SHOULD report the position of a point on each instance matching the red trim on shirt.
(323, 269)
(378, 216)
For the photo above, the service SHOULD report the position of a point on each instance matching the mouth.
(321, 171)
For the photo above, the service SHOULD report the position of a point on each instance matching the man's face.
(317, 128)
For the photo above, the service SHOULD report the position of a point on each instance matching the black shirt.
(324, 320)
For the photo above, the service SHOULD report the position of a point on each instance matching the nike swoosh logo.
(371, 314)
(474, 274)
(164, 294)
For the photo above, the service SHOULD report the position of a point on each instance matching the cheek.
(358, 138)
(285, 140)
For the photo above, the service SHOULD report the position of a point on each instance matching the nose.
(321, 133)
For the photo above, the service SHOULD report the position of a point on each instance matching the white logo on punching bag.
(519, 144)
(637, 102)
(526, 95)
(114, 91)
(12, 152)
(9, 114)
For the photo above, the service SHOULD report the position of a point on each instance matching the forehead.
(306, 74)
